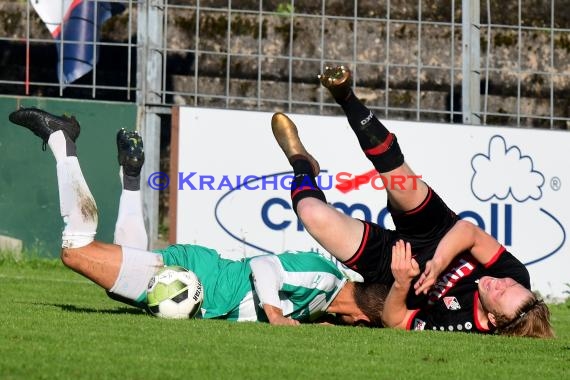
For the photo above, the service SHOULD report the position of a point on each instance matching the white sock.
(121, 176)
(58, 145)
(130, 229)
(76, 203)
(137, 268)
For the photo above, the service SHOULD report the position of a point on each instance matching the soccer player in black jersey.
(468, 282)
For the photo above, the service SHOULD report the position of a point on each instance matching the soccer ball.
(175, 293)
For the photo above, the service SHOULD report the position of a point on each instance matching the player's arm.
(463, 236)
(404, 268)
(268, 279)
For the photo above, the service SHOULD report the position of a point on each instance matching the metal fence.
(489, 62)
(409, 57)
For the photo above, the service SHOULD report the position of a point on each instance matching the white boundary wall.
(514, 183)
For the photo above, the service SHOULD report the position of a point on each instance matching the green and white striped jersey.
(302, 284)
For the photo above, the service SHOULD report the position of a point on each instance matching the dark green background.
(29, 200)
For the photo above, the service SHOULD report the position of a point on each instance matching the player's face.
(502, 295)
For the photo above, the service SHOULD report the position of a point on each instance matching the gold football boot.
(338, 80)
(285, 133)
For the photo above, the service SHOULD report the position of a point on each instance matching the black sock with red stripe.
(304, 184)
(387, 155)
(380, 146)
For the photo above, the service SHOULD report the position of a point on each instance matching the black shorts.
(423, 227)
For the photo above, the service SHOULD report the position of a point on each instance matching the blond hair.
(532, 320)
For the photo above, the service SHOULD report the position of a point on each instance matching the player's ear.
(492, 319)
(362, 318)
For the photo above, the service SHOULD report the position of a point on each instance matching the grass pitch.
(55, 324)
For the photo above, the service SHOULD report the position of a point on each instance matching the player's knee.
(69, 257)
(310, 211)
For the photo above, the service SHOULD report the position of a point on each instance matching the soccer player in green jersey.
(283, 289)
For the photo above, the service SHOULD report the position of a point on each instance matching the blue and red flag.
(76, 26)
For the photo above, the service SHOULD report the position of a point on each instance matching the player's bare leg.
(77, 205)
(405, 190)
(338, 233)
(99, 262)
(118, 269)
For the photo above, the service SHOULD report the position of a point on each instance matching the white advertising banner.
(233, 184)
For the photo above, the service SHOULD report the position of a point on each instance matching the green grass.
(57, 325)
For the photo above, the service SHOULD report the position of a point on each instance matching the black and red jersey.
(452, 304)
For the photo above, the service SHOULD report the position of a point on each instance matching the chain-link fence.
(407, 56)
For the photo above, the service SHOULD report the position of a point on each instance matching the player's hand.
(404, 267)
(276, 317)
(284, 321)
(428, 277)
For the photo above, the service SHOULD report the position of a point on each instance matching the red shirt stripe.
(358, 253)
(480, 327)
(409, 322)
(495, 257)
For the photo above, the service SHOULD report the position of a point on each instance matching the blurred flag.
(76, 24)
